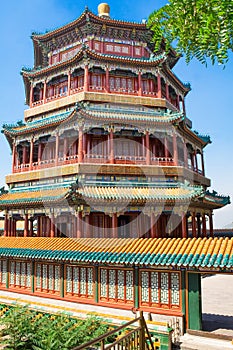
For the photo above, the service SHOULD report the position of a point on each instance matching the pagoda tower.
(105, 157)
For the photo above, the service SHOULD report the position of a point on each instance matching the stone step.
(192, 342)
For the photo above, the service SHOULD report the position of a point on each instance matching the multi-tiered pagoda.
(106, 158)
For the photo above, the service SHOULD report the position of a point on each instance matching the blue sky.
(209, 104)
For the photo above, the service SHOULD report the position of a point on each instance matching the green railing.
(133, 335)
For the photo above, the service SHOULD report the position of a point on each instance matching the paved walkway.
(217, 314)
(217, 303)
(191, 342)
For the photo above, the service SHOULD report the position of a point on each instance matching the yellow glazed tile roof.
(140, 193)
(190, 253)
(34, 197)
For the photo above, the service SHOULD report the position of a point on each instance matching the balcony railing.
(102, 159)
(93, 88)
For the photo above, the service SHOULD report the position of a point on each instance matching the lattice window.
(117, 284)
(79, 281)
(138, 51)
(145, 286)
(68, 279)
(44, 276)
(117, 48)
(112, 284)
(28, 275)
(23, 274)
(160, 289)
(50, 278)
(121, 283)
(125, 49)
(75, 280)
(164, 288)
(175, 288)
(90, 281)
(97, 46)
(103, 283)
(83, 280)
(12, 272)
(38, 276)
(109, 48)
(112, 83)
(154, 287)
(118, 83)
(123, 84)
(3, 271)
(130, 84)
(129, 285)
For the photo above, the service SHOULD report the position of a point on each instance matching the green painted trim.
(62, 289)
(96, 292)
(183, 297)
(7, 273)
(33, 277)
(136, 287)
(194, 301)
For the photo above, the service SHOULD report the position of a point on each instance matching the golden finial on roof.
(104, 10)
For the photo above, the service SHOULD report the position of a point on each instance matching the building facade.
(108, 176)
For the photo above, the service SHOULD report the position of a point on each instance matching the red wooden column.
(139, 83)
(107, 87)
(24, 155)
(203, 225)
(13, 228)
(44, 92)
(38, 226)
(211, 225)
(194, 226)
(178, 101)
(148, 161)
(39, 153)
(9, 226)
(25, 234)
(159, 86)
(86, 79)
(31, 154)
(154, 226)
(52, 225)
(175, 150)
(166, 146)
(167, 92)
(114, 225)
(6, 224)
(13, 157)
(57, 149)
(31, 95)
(87, 225)
(79, 224)
(183, 106)
(69, 83)
(31, 228)
(84, 145)
(80, 145)
(202, 164)
(195, 161)
(185, 155)
(111, 146)
(65, 149)
(184, 225)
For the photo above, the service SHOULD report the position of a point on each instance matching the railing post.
(102, 345)
(142, 332)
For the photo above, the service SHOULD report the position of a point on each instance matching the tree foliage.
(199, 28)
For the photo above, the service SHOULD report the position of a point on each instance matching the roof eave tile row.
(190, 254)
